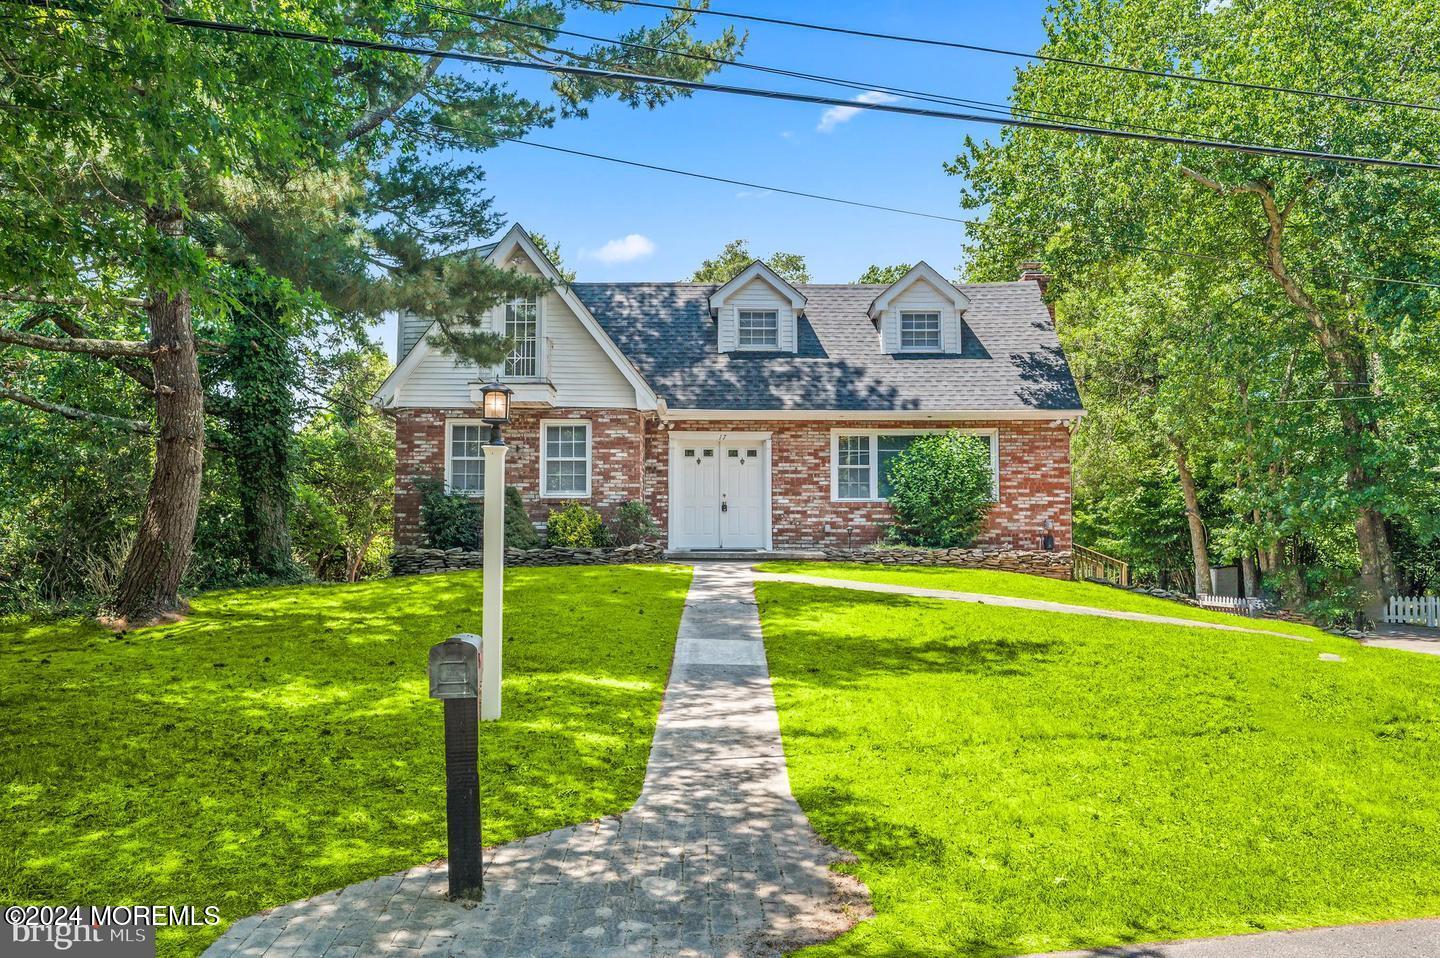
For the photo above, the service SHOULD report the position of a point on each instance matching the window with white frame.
(920, 332)
(465, 463)
(758, 329)
(862, 462)
(522, 328)
(565, 459)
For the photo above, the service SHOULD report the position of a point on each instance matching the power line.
(861, 85)
(1049, 58)
(382, 46)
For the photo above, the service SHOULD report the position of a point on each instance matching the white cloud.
(836, 115)
(624, 250)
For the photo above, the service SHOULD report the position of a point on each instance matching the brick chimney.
(1032, 272)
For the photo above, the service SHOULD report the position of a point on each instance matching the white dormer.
(757, 311)
(920, 313)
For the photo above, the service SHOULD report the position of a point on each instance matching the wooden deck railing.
(1089, 564)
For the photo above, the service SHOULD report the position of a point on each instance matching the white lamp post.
(495, 411)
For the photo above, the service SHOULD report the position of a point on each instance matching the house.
(750, 416)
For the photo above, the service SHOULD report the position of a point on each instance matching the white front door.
(718, 493)
(742, 495)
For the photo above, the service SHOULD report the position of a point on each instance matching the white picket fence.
(1413, 610)
(1250, 607)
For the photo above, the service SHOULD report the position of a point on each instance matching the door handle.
(724, 507)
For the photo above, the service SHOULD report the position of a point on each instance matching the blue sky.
(618, 223)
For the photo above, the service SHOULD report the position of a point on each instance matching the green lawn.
(280, 742)
(1018, 781)
(1021, 586)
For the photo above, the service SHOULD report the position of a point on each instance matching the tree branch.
(374, 118)
(63, 300)
(137, 426)
(74, 328)
(94, 347)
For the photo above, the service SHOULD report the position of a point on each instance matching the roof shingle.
(1011, 359)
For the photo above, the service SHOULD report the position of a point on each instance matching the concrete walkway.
(715, 858)
(1395, 939)
(981, 598)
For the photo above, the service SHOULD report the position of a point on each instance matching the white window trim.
(939, 315)
(992, 434)
(757, 347)
(540, 342)
(545, 492)
(449, 459)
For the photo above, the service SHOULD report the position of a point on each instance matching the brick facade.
(630, 460)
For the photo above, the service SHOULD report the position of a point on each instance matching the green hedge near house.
(451, 520)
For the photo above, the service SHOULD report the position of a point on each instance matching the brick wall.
(630, 459)
(1034, 482)
(616, 449)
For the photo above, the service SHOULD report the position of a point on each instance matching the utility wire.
(945, 99)
(692, 85)
(1049, 58)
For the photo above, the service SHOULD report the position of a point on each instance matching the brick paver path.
(716, 857)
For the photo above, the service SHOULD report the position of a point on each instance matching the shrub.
(454, 521)
(633, 524)
(576, 527)
(941, 490)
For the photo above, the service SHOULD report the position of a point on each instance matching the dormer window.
(522, 328)
(758, 329)
(920, 332)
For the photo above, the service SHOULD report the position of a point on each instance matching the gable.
(579, 361)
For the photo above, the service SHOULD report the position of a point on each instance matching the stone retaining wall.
(1054, 565)
(411, 560)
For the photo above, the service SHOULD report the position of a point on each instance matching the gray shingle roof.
(1011, 359)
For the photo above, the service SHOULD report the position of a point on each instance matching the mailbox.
(455, 668)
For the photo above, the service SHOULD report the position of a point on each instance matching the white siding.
(920, 296)
(409, 329)
(569, 357)
(756, 294)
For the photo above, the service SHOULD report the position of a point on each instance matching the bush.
(633, 524)
(941, 490)
(454, 521)
(576, 527)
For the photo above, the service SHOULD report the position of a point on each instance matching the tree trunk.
(1249, 575)
(150, 581)
(1199, 551)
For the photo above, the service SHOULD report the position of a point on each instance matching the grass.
(1017, 781)
(1021, 586)
(280, 742)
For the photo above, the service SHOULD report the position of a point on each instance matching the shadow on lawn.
(969, 643)
(282, 742)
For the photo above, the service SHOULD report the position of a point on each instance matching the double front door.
(719, 494)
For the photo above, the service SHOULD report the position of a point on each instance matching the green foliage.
(1016, 781)
(736, 256)
(633, 524)
(889, 275)
(1257, 340)
(457, 521)
(552, 253)
(941, 488)
(295, 720)
(520, 532)
(448, 520)
(577, 526)
(347, 474)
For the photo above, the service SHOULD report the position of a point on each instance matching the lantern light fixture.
(495, 408)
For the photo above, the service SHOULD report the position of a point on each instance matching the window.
(522, 327)
(465, 466)
(758, 329)
(565, 459)
(862, 461)
(920, 332)
(853, 468)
